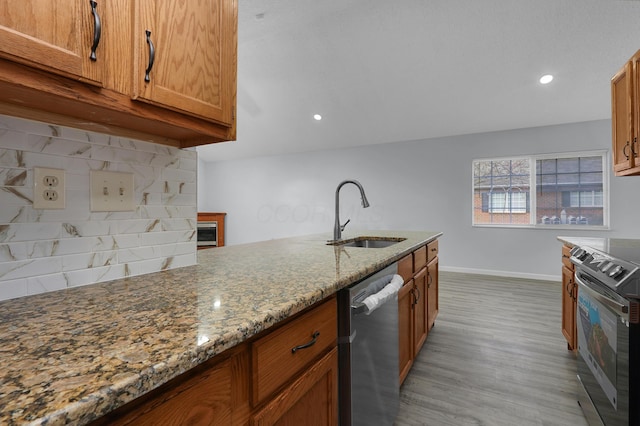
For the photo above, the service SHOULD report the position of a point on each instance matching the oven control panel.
(620, 275)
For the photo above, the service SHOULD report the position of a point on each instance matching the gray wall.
(414, 185)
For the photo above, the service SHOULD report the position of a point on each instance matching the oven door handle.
(588, 284)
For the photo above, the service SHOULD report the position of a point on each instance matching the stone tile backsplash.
(47, 250)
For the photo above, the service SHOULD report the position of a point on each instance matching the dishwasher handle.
(377, 294)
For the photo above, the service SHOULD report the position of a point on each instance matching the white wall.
(46, 250)
(412, 185)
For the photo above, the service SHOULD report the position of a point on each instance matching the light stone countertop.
(74, 355)
(605, 245)
(594, 242)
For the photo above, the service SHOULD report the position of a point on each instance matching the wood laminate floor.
(496, 356)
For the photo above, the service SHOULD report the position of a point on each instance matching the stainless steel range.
(608, 317)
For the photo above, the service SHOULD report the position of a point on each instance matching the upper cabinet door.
(185, 56)
(56, 36)
(622, 119)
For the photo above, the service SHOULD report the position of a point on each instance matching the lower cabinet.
(432, 293)
(420, 304)
(417, 303)
(200, 397)
(569, 300)
(405, 328)
(278, 378)
(311, 400)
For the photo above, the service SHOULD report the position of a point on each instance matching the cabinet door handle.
(97, 29)
(570, 290)
(152, 56)
(312, 342)
(416, 297)
(624, 150)
(429, 280)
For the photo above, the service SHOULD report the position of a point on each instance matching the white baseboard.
(556, 278)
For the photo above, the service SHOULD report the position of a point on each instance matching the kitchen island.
(74, 355)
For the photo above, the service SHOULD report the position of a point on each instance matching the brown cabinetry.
(63, 45)
(282, 354)
(569, 299)
(200, 45)
(201, 396)
(419, 310)
(311, 400)
(625, 118)
(219, 218)
(285, 376)
(405, 328)
(432, 293)
(417, 303)
(189, 100)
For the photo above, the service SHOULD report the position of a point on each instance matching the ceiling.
(387, 71)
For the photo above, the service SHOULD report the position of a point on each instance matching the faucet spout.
(338, 228)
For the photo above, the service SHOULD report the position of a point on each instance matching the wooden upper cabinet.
(190, 99)
(194, 56)
(625, 118)
(56, 36)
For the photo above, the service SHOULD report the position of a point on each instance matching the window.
(556, 190)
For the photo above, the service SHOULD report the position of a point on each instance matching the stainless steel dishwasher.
(368, 349)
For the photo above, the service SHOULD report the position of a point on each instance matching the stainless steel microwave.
(208, 233)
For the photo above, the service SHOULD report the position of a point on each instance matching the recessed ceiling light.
(546, 79)
(317, 117)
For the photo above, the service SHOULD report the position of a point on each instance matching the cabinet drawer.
(566, 254)
(274, 360)
(432, 250)
(405, 267)
(419, 258)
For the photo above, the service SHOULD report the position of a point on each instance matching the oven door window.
(598, 334)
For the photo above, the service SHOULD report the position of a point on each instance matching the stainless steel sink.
(367, 242)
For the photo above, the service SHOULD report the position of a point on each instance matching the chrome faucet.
(337, 228)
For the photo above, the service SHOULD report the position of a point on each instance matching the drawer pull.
(152, 56)
(97, 30)
(306, 345)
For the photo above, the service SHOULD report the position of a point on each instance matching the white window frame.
(532, 191)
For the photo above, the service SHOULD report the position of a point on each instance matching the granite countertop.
(74, 355)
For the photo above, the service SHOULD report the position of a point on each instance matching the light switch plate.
(111, 191)
(48, 188)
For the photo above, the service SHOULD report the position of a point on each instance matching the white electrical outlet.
(48, 188)
(111, 191)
